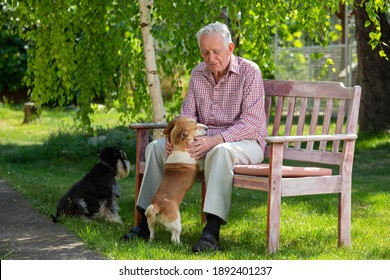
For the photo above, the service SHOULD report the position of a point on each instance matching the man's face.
(215, 54)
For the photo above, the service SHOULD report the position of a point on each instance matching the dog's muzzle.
(123, 167)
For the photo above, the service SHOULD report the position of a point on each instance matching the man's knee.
(156, 147)
(220, 151)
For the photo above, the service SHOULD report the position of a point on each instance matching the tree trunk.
(150, 64)
(30, 112)
(373, 75)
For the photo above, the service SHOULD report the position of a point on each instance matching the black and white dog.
(95, 195)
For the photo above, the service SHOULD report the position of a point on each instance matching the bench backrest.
(296, 108)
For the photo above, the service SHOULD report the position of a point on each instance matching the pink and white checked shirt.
(234, 107)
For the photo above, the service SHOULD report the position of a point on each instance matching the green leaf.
(338, 27)
(329, 61)
(382, 53)
(317, 55)
(298, 44)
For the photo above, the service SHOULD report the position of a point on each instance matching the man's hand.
(203, 144)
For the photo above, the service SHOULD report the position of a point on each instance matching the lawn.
(43, 159)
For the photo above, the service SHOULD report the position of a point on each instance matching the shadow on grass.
(71, 146)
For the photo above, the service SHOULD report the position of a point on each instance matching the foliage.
(373, 7)
(83, 51)
(13, 62)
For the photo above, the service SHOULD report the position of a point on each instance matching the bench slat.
(278, 115)
(339, 124)
(308, 89)
(311, 186)
(313, 156)
(301, 121)
(268, 103)
(251, 182)
(313, 121)
(147, 125)
(326, 122)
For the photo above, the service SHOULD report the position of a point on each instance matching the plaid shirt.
(234, 107)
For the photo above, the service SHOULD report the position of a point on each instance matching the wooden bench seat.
(314, 123)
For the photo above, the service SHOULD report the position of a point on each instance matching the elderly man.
(226, 93)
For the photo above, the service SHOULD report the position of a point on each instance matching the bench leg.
(273, 223)
(137, 216)
(274, 198)
(142, 140)
(344, 218)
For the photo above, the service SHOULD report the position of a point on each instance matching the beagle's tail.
(151, 211)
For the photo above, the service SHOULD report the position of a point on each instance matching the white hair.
(219, 28)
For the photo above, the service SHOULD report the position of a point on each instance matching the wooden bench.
(309, 122)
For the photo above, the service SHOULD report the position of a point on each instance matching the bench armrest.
(148, 125)
(307, 138)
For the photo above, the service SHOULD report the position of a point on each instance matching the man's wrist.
(220, 139)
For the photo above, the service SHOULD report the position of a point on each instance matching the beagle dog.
(180, 172)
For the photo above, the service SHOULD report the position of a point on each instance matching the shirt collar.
(233, 66)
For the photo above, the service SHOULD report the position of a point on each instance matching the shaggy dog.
(180, 172)
(95, 195)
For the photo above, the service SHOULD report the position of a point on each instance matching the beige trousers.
(218, 168)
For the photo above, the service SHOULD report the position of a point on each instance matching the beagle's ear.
(184, 134)
(178, 135)
(169, 127)
(175, 136)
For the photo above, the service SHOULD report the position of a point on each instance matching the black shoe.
(206, 243)
(134, 233)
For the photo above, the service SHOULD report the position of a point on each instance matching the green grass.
(43, 159)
